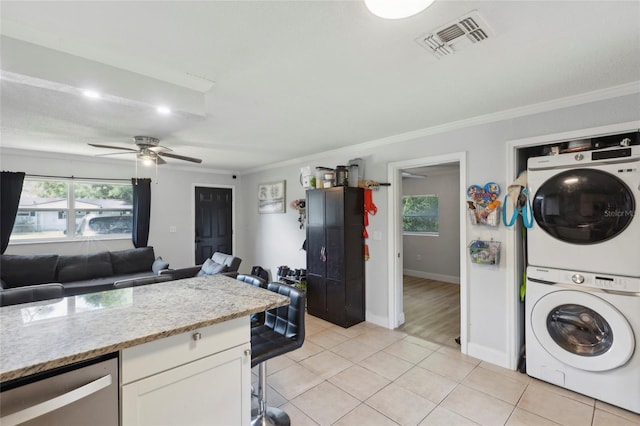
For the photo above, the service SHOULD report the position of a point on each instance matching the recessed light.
(394, 9)
(163, 110)
(91, 94)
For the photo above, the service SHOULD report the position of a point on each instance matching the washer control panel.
(585, 279)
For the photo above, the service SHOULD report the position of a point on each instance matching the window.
(420, 214)
(71, 209)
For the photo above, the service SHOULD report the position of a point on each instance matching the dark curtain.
(10, 190)
(141, 211)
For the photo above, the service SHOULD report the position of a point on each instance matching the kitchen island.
(156, 330)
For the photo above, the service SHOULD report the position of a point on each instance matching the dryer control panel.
(584, 279)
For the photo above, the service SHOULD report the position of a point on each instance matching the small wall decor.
(483, 204)
(271, 197)
(485, 252)
(300, 205)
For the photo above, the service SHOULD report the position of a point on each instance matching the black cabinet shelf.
(335, 255)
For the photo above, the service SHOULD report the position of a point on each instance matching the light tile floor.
(369, 375)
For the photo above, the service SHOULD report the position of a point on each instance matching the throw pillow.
(159, 265)
(209, 267)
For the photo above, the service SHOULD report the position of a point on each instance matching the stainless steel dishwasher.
(81, 394)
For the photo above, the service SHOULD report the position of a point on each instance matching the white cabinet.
(195, 378)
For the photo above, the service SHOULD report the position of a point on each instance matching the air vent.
(446, 40)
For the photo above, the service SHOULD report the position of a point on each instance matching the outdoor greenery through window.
(67, 209)
(420, 214)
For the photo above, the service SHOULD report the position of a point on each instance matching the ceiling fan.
(148, 151)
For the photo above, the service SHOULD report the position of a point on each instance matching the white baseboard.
(432, 276)
(377, 320)
(488, 354)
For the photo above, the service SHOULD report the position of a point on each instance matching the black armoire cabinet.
(335, 255)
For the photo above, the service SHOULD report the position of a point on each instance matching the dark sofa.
(80, 274)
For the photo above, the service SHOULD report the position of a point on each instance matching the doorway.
(213, 222)
(396, 287)
(431, 253)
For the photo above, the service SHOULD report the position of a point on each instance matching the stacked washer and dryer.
(582, 304)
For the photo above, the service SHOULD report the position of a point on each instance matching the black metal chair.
(282, 332)
(256, 319)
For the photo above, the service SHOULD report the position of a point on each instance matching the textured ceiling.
(254, 83)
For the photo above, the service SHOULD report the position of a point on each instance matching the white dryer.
(585, 207)
(583, 333)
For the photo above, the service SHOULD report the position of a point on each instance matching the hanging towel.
(518, 198)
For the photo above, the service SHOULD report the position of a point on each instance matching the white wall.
(435, 257)
(171, 201)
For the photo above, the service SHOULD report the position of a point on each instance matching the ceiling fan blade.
(180, 157)
(160, 161)
(159, 148)
(114, 153)
(112, 147)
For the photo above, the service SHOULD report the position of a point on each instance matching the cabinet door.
(213, 391)
(316, 295)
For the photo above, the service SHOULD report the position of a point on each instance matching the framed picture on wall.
(271, 197)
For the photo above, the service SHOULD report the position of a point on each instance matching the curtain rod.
(79, 178)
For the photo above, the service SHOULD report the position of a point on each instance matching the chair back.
(253, 280)
(287, 320)
(232, 263)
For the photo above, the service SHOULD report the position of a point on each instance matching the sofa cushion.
(19, 270)
(94, 285)
(31, 293)
(132, 260)
(209, 267)
(84, 267)
(231, 262)
(159, 265)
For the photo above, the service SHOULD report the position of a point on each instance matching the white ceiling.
(253, 83)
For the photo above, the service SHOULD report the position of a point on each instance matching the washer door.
(583, 206)
(582, 330)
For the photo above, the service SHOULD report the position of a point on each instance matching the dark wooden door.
(213, 222)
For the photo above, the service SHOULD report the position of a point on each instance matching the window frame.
(71, 213)
(421, 233)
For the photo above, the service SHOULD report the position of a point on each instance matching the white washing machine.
(583, 333)
(585, 206)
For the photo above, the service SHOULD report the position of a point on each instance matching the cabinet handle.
(323, 254)
(247, 352)
(60, 401)
(196, 336)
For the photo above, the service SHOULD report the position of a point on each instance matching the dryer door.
(583, 206)
(582, 330)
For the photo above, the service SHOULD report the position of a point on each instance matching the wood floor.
(431, 310)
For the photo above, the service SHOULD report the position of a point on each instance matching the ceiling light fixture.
(397, 9)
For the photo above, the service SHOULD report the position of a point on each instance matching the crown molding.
(569, 101)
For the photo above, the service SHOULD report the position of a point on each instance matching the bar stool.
(282, 332)
(256, 319)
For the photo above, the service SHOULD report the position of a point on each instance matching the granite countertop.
(43, 335)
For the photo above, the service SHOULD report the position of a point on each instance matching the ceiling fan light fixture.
(163, 110)
(147, 157)
(91, 94)
(397, 9)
